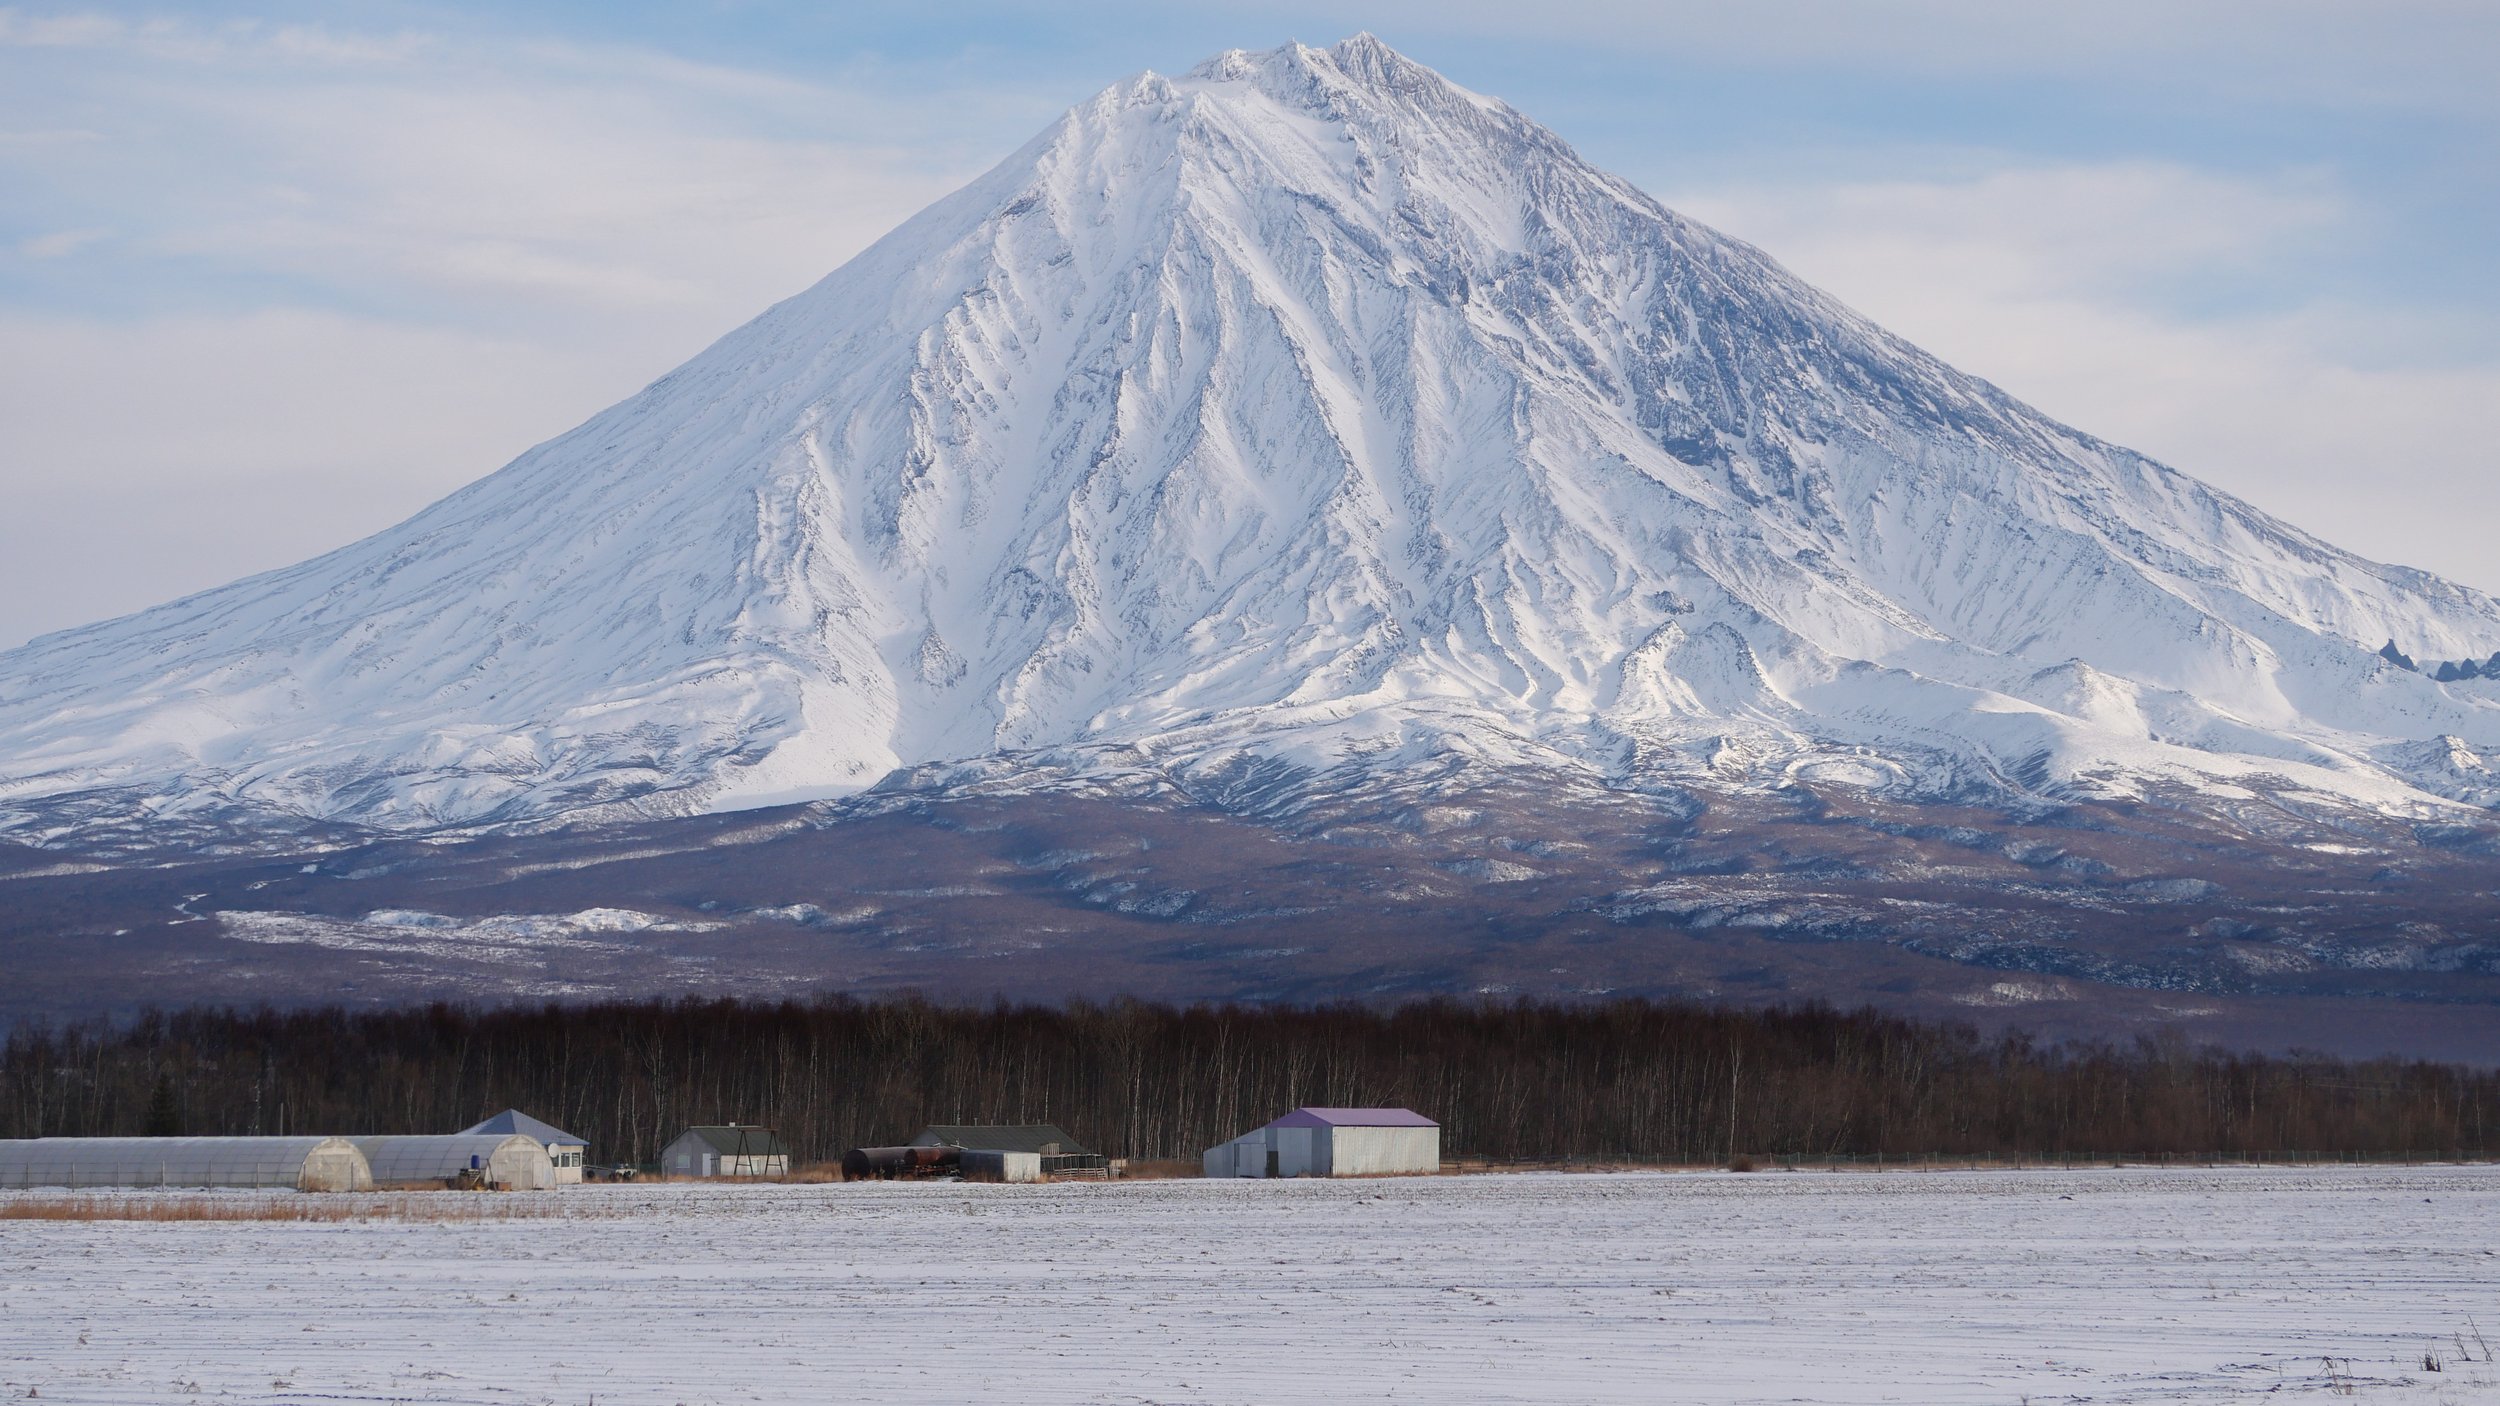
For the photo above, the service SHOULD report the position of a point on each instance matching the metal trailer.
(511, 1162)
(302, 1163)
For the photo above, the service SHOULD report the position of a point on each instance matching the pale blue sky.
(273, 276)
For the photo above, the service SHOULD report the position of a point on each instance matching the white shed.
(1333, 1142)
(511, 1162)
(726, 1150)
(304, 1163)
(563, 1149)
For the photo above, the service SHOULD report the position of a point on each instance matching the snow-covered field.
(2136, 1285)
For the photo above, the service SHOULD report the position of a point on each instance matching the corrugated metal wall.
(1356, 1152)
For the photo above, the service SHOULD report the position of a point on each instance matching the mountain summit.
(1306, 411)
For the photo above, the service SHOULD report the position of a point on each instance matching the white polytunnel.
(303, 1163)
(511, 1161)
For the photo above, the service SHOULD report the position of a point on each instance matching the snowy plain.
(2135, 1285)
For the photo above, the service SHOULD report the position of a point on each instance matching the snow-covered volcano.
(1305, 409)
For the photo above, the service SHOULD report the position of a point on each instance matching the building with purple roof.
(1333, 1142)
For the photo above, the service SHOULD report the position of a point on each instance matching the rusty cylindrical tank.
(885, 1163)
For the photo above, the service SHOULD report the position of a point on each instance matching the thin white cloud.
(424, 168)
(2414, 54)
(523, 238)
(2042, 279)
(192, 42)
(2082, 227)
(62, 243)
(149, 459)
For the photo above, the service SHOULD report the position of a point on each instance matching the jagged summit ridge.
(1306, 409)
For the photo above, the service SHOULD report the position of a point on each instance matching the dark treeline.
(1629, 1079)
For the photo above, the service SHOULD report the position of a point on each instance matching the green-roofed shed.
(726, 1150)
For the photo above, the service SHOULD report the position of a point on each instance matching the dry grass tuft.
(285, 1206)
(1160, 1169)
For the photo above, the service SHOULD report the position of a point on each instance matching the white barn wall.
(1367, 1152)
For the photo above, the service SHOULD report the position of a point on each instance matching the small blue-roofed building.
(1333, 1142)
(563, 1149)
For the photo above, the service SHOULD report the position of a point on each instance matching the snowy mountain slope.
(1310, 409)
